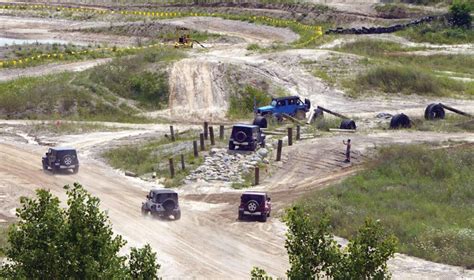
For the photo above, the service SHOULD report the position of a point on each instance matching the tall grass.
(407, 80)
(438, 32)
(153, 156)
(242, 102)
(92, 94)
(423, 196)
(3, 238)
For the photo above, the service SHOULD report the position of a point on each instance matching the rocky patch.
(223, 165)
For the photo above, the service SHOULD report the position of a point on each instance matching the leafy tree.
(460, 14)
(314, 253)
(73, 243)
(367, 254)
(311, 250)
(258, 273)
(143, 264)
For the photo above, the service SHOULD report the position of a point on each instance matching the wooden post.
(195, 148)
(172, 133)
(257, 175)
(280, 145)
(171, 168)
(206, 129)
(221, 132)
(201, 141)
(290, 136)
(182, 162)
(211, 135)
(298, 132)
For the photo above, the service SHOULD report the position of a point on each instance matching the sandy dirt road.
(208, 242)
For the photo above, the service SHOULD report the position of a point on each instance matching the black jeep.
(58, 159)
(162, 203)
(255, 204)
(245, 136)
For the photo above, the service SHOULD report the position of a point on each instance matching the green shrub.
(460, 15)
(408, 80)
(423, 196)
(242, 103)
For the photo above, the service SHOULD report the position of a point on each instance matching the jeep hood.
(266, 108)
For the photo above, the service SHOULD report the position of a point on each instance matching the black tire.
(241, 216)
(278, 118)
(177, 215)
(144, 211)
(300, 115)
(252, 146)
(263, 218)
(169, 205)
(231, 146)
(348, 124)
(261, 121)
(45, 166)
(434, 111)
(75, 170)
(252, 206)
(262, 145)
(67, 160)
(240, 136)
(55, 169)
(400, 121)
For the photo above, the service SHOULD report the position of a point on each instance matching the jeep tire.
(300, 115)
(231, 146)
(263, 218)
(168, 205)
(261, 121)
(177, 215)
(67, 160)
(241, 216)
(252, 206)
(75, 170)
(240, 136)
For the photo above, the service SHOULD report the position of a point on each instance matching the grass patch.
(111, 92)
(153, 156)
(451, 123)
(326, 123)
(3, 238)
(421, 195)
(438, 32)
(242, 102)
(68, 127)
(406, 80)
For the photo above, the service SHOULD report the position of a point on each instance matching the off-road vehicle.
(255, 204)
(162, 203)
(245, 136)
(59, 158)
(290, 105)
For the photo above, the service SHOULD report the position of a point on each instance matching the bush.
(242, 103)
(460, 15)
(423, 196)
(407, 80)
(79, 238)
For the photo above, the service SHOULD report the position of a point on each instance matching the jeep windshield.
(66, 152)
(247, 130)
(162, 197)
(247, 197)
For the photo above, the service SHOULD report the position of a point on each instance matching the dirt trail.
(191, 89)
(48, 69)
(199, 245)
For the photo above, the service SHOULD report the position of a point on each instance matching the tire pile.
(380, 30)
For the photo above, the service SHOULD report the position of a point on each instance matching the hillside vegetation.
(423, 196)
(111, 92)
